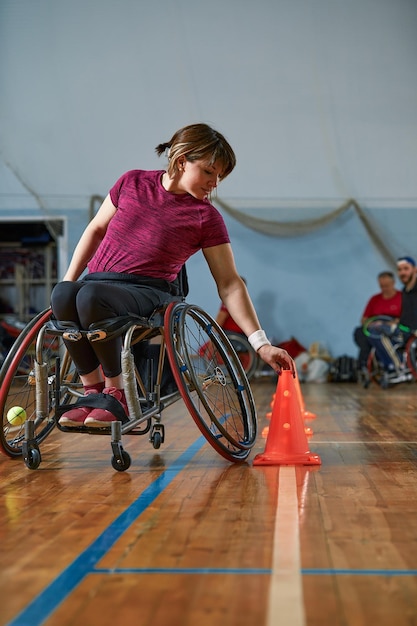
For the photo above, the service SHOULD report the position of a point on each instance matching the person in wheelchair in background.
(389, 339)
(387, 303)
(148, 226)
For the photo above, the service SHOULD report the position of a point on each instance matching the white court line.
(286, 603)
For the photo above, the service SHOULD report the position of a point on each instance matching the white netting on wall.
(299, 228)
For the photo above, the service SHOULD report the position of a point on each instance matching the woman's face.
(198, 178)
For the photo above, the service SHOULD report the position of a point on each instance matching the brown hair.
(195, 142)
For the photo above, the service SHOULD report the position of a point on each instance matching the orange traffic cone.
(287, 441)
(265, 432)
(308, 431)
(304, 413)
(271, 404)
(307, 415)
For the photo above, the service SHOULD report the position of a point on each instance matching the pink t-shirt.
(154, 232)
(378, 305)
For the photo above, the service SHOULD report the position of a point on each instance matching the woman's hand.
(277, 358)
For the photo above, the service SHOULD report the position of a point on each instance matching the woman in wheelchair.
(394, 344)
(148, 226)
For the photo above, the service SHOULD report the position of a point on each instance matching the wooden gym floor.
(185, 538)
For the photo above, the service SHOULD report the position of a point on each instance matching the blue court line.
(253, 571)
(183, 570)
(360, 572)
(52, 596)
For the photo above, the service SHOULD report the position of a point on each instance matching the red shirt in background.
(378, 305)
(229, 323)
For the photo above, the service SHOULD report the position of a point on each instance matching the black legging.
(363, 344)
(87, 302)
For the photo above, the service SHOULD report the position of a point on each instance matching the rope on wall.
(374, 236)
(282, 229)
(54, 227)
(303, 227)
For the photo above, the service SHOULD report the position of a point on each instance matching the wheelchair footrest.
(398, 377)
(98, 401)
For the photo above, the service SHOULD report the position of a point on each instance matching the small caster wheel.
(157, 436)
(366, 381)
(156, 440)
(33, 458)
(122, 463)
(384, 382)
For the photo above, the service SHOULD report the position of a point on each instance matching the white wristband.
(258, 339)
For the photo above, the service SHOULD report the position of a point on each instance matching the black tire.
(245, 352)
(411, 355)
(17, 384)
(33, 459)
(156, 440)
(123, 464)
(214, 387)
(376, 371)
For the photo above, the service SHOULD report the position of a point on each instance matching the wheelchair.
(404, 355)
(161, 363)
(246, 354)
(253, 365)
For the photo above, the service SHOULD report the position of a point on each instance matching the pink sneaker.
(76, 417)
(99, 418)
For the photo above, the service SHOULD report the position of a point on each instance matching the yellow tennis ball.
(16, 416)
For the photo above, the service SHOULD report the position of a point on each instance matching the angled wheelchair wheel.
(18, 384)
(376, 371)
(213, 384)
(379, 324)
(411, 355)
(246, 354)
